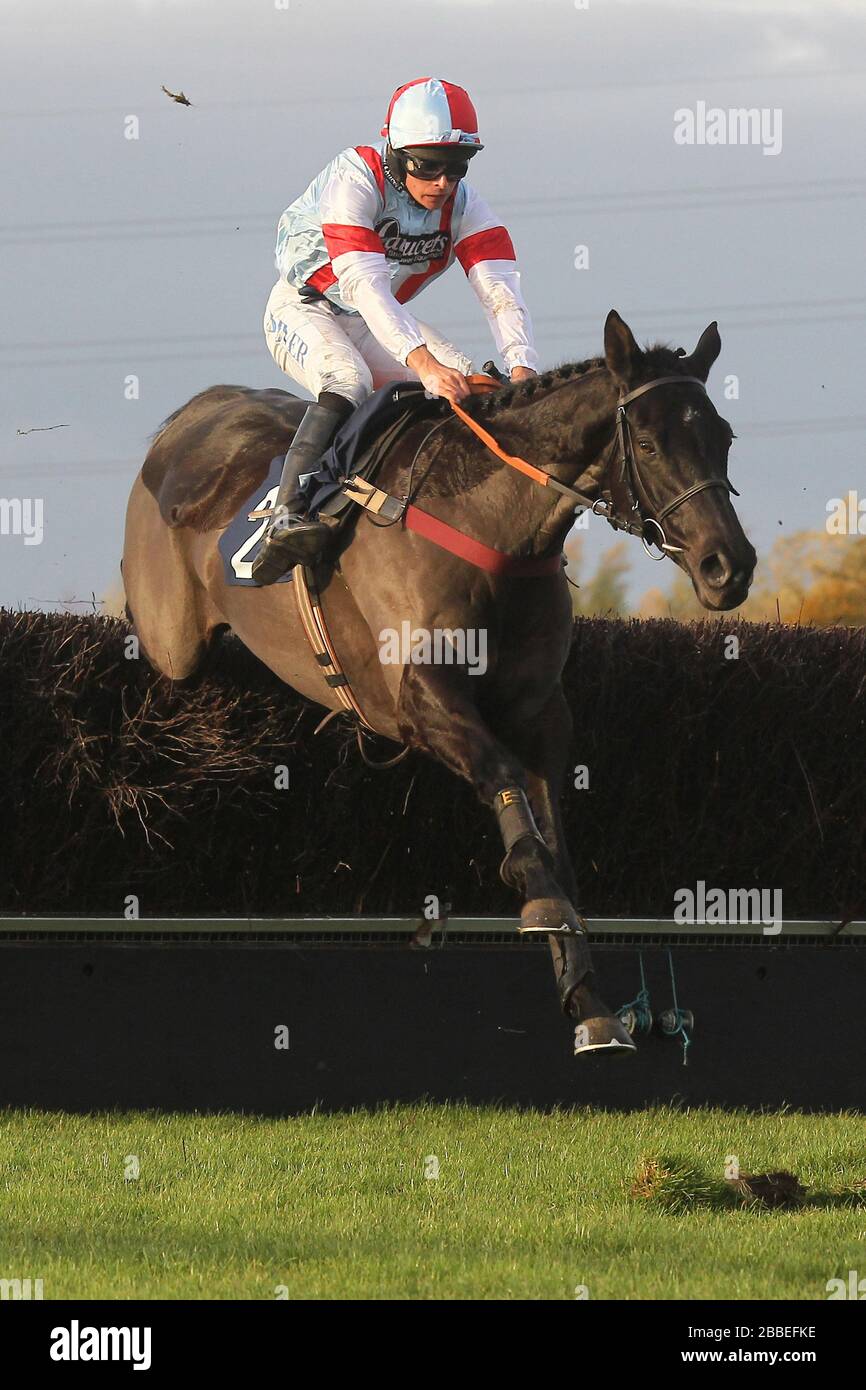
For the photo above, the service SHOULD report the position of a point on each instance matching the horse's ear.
(621, 352)
(708, 348)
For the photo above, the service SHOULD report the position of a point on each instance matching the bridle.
(631, 484)
(619, 512)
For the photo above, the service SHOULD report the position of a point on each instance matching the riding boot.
(291, 539)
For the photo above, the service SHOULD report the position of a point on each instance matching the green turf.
(526, 1205)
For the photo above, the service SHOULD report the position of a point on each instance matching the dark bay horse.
(660, 469)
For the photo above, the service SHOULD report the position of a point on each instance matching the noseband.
(630, 483)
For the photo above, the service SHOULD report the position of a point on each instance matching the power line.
(542, 205)
(586, 317)
(312, 101)
(841, 183)
(575, 328)
(799, 321)
(838, 424)
(86, 469)
(77, 470)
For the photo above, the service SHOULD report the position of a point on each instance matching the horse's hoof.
(550, 917)
(598, 1030)
(603, 1035)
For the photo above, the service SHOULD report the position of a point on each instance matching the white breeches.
(324, 350)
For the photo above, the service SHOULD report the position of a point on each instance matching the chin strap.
(394, 171)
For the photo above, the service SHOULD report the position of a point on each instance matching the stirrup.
(296, 541)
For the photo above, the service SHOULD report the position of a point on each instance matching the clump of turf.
(768, 1189)
(852, 1194)
(675, 1184)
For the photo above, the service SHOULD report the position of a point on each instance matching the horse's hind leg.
(165, 603)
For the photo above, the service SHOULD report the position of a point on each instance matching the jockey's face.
(430, 193)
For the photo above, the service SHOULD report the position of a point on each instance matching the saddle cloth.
(357, 449)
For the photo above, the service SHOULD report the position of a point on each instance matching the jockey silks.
(369, 248)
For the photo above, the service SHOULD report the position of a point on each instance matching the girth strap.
(433, 528)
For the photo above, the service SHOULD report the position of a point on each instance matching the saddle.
(354, 456)
(343, 483)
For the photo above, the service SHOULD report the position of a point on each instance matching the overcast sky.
(154, 256)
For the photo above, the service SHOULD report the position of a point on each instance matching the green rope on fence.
(640, 1008)
(678, 1014)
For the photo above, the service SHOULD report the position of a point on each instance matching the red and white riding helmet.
(429, 111)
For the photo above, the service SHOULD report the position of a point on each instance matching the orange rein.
(479, 383)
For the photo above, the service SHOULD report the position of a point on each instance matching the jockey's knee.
(350, 379)
(337, 401)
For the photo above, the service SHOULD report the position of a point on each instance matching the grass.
(527, 1205)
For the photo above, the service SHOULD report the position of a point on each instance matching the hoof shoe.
(550, 917)
(597, 1035)
(597, 1029)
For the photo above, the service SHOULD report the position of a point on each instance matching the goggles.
(429, 169)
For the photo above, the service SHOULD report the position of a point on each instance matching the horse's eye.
(646, 446)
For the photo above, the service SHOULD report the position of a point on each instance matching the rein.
(629, 476)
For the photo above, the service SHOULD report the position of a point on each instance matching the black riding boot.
(290, 538)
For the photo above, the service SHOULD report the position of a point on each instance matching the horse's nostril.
(715, 569)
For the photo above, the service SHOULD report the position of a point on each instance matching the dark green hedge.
(741, 773)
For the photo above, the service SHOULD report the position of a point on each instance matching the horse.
(633, 434)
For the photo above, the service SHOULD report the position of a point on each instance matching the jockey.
(372, 229)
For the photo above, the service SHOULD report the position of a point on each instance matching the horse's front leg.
(437, 713)
(541, 738)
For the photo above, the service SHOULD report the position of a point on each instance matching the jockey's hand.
(522, 373)
(436, 378)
